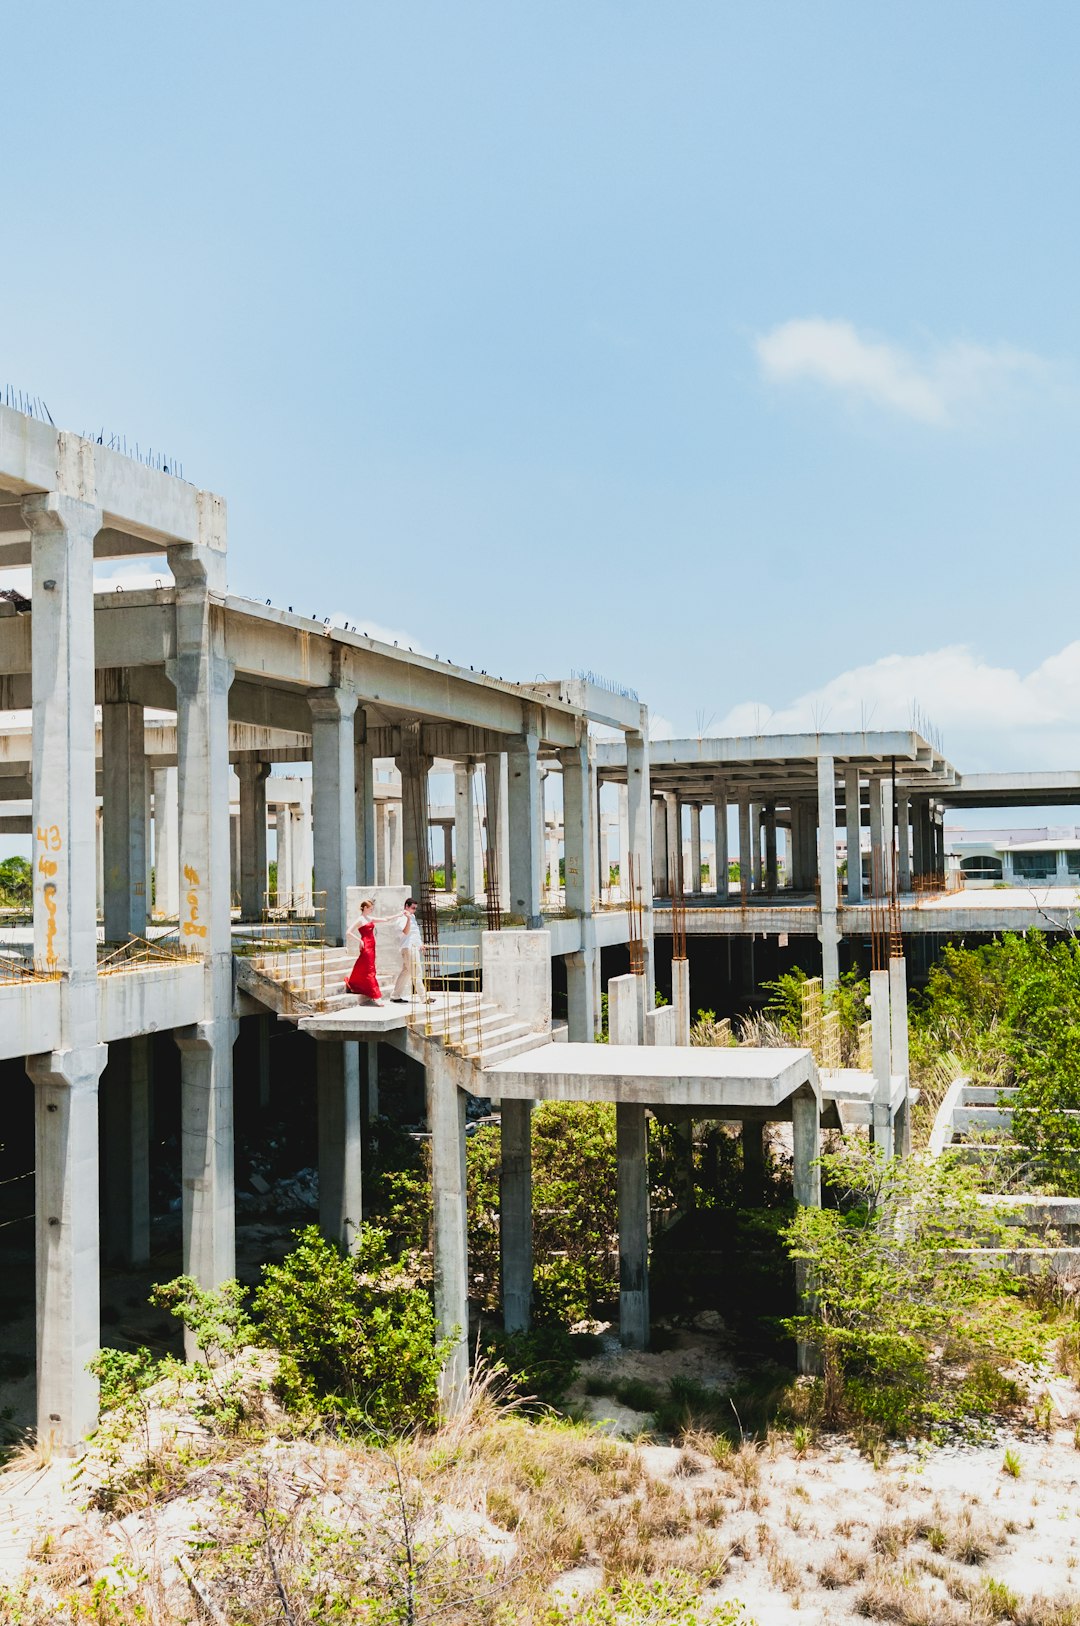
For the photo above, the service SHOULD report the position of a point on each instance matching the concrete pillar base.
(337, 1073)
(206, 1154)
(446, 1122)
(631, 1144)
(125, 1115)
(67, 1263)
(515, 1215)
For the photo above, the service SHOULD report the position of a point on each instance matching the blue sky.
(730, 350)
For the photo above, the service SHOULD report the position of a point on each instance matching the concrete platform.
(357, 1021)
(703, 1077)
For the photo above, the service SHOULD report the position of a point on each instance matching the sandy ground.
(804, 1536)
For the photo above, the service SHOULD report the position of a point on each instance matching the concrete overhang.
(137, 502)
(769, 766)
(611, 707)
(1049, 788)
(705, 1077)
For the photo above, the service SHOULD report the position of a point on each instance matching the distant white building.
(1038, 857)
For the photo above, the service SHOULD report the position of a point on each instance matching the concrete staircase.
(298, 983)
(974, 1122)
(307, 988)
(483, 1033)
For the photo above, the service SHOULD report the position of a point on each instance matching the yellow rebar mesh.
(813, 1012)
(831, 1050)
(866, 1047)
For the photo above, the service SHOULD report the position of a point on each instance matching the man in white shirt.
(410, 978)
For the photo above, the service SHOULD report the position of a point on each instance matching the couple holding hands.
(410, 979)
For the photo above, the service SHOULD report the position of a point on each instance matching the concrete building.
(166, 747)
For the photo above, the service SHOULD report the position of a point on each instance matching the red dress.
(362, 979)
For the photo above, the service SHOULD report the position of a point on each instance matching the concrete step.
(510, 1048)
(984, 1095)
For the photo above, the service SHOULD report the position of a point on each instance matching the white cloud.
(382, 635)
(991, 717)
(937, 387)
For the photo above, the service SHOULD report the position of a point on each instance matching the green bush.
(912, 1331)
(16, 883)
(356, 1336)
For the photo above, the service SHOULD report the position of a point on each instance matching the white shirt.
(413, 937)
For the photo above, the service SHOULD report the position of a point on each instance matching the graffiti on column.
(50, 841)
(191, 926)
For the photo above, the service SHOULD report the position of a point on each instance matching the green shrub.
(542, 1364)
(356, 1336)
(911, 1330)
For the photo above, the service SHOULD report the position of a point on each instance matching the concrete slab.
(704, 1076)
(356, 1022)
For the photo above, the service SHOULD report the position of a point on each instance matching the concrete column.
(382, 820)
(125, 1125)
(523, 803)
(464, 820)
(680, 999)
(371, 1081)
(337, 1073)
(626, 1009)
(253, 776)
(853, 822)
(515, 1215)
(624, 838)
(554, 880)
(578, 809)
(937, 827)
(639, 843)
(881, 1051)
(631, 1150)
(364, 780)
(284, 852)
(333, 778)
(302, 836)
(446, 1122)
(899, 1058)
(752, 1136)
(828, 932)
(918, 833)
(494, 818)
(772, 882)
(808, 833)
(201, 674)
(903, 857)
(746, 850)
(148, 862)
(396, 843)
(166, 872)
(99, 854)
(63, 776)
(415, 812)
(720, 807)
(234, 857)
(806, 1180)
(604, 860)
(888, 835)
(795, 837)
(695, 848)
(661, 871)
(66, 1245)
(877, 840)
(756, 822)
(673, 837)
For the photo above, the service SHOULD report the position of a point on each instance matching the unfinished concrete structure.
(178, 736)
(246, 685)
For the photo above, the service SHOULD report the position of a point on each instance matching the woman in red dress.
(362, 979)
